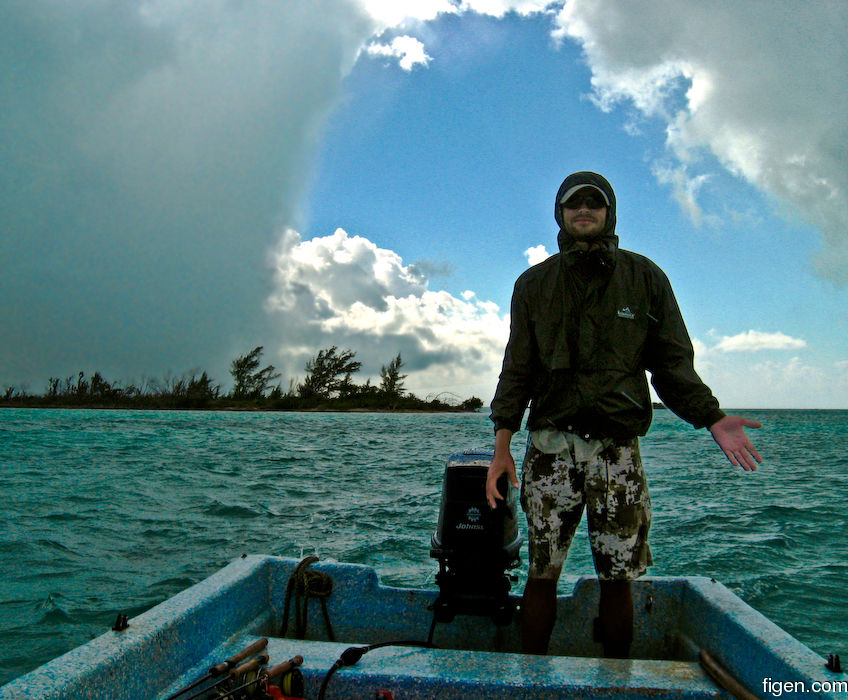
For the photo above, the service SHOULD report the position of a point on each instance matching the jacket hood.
(586, 178)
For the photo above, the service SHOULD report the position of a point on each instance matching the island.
(327, 386)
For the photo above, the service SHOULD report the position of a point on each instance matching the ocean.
(107, 512)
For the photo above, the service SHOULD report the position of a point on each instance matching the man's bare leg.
(538, 614)
(616, 613)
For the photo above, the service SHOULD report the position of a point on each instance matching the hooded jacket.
(584, 328)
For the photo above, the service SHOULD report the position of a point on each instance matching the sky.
(184, 180)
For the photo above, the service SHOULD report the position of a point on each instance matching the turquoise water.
(114, 511)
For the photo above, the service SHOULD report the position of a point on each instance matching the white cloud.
(536, 254)
(345, 290)
(734, 80)
(684, 189)
(395, 13)
(498, 8)
(754, 341)
(408, 50)
(728, 365)
(791, 383)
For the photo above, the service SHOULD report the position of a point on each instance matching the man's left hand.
(730, 435)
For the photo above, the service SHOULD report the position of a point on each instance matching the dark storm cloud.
(149, 152)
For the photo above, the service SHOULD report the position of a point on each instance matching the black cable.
(335, 667)
(352, 655)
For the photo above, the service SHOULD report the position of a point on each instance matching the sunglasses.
(591, 201)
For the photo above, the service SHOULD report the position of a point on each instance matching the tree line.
(328, 385)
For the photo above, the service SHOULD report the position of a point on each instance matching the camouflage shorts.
(606, 476)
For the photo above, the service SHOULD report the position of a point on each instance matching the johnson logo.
(472, 520)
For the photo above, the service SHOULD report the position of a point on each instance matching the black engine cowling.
(475, 545)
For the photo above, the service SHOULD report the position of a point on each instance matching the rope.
(304, 584)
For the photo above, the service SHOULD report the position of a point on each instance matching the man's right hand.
(502, 463)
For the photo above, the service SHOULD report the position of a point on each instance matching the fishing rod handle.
(284, 667)
(251, 665)
(232, 662)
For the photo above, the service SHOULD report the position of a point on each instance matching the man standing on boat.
(586, 325)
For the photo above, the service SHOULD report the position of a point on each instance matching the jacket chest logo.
(626, 313)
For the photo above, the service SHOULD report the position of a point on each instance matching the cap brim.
(573, 190)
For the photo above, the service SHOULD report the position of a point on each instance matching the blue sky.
(187, 180)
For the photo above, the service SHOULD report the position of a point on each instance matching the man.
(586, 324)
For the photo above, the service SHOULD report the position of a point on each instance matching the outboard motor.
(475, 545)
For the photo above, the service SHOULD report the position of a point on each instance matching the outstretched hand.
(730, 435)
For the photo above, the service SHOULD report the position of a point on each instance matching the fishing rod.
(235, 673)
(269, 675)
(224, 666)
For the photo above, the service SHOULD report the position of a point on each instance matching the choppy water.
(114, 511)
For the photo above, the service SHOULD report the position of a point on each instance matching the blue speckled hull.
(174, 643)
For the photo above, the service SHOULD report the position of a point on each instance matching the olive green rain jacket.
(585, 327)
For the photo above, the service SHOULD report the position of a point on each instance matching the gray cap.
(571, 191)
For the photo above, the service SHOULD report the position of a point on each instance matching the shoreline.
(237, 409)
(318, 409)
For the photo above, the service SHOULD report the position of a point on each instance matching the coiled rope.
(306, 583)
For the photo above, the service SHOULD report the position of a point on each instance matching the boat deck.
(176, 642)
(459, 674)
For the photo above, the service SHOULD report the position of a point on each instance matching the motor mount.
(474, 544)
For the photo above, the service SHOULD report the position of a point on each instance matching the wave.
(242, 512)
(51, 612)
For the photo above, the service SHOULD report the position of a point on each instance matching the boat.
(289, 627)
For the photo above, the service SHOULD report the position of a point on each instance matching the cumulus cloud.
(729, 366)
(345, 290)
(754, 341)
(790, 383)
(396, 13)
(536, 254)
(498, 8)
(408, 51)
(733, 80)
